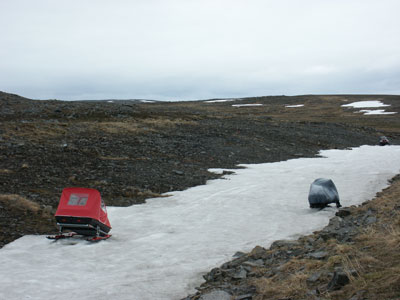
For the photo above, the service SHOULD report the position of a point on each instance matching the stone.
(284, 243)
(241, 273)
(236, 262)
(318, 255)
(359, 295)
(327, 235)
(370, 220)
(214, 274)
(310, 240)
(258, 252)
(216, 295)
(245, 297)
(343, 212)
(254, 263)
(238, 254)
(314, 277)
(225, 266)
(339, 280)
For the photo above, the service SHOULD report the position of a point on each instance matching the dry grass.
(114, 157)
(305, 265)
(34, 132)
(343, 248)
(144, 194)
(375, 254)
(162, 122)
(40, 131)
(274, 288)
(136, 126)
(19, 203)
(27, 217)
(115, 127)
(290, 286)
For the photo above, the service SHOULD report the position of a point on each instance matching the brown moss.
(274, 288)
(19, 203)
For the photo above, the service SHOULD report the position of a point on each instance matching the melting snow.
(377, 112)
(297, 105)
(366, 104)
(243, 105)
(370, 104)
(220, 100)
(159, 250)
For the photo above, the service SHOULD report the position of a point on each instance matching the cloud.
(173, 49)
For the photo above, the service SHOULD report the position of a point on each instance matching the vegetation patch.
(19, 203)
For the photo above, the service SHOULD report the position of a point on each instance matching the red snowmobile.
(81, 211)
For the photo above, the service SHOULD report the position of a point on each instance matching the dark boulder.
(339, 280)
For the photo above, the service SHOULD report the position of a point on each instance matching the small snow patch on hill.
(370, 104)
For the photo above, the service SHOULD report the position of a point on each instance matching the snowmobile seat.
(383, 141)
(323, 192)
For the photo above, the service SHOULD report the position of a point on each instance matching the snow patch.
(366, 104)
(370, 104)
(220, 100)
(244, 105)
(377, 112)
(217, 171)
(293, 106)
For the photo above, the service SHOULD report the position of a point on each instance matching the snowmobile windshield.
(78, 199)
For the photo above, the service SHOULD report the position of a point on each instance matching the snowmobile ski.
(74, 234)
(98, 238)
(61, 236)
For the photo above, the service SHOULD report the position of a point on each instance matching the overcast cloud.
(198, 49)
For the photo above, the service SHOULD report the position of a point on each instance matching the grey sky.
(198, 49)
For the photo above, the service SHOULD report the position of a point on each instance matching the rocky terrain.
(133, 150)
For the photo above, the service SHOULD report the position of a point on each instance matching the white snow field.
(160, 250)
(366, 104)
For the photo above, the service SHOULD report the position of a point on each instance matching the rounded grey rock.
(216, 295)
